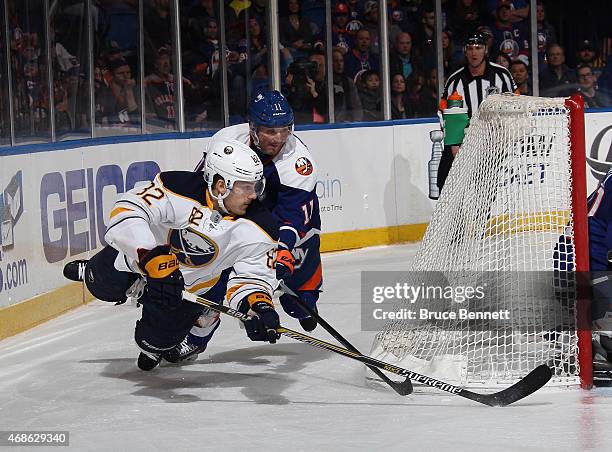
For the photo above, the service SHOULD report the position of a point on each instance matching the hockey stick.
(533, 381)
(403, 388)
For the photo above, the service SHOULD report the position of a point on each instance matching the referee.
(472, 82)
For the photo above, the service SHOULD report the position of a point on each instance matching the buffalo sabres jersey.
(176, 209)
(290, 186)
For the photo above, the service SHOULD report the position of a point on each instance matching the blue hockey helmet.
(270, 109)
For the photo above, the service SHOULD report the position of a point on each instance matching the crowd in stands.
(355, 70)
(28, 59)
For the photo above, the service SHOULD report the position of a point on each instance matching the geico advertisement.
(73, 211)
(13, 258)
(52, 211)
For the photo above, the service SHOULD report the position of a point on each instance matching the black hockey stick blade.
(403, 388)
(527, 385)
(521, 389)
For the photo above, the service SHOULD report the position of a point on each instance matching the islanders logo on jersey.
(192, 248)
(303, 166)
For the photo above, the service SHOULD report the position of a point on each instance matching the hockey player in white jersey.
(200, 231)
(290, 195)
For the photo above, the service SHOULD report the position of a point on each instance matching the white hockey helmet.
(233, 161)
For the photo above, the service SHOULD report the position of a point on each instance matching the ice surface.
(78, 373)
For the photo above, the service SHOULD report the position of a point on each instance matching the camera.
(302, 70)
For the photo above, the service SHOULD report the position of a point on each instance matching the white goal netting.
(504, 216)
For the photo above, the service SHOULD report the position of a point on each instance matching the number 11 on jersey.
(307, 209)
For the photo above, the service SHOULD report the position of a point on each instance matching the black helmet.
(477, 39)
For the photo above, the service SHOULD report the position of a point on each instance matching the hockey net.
(513, 206)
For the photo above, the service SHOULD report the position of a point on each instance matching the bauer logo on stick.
(303, 166)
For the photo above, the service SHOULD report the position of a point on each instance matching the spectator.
(202, 96)
(503, 60)
(258, 48)
(341, 39)
(259, 78)
(64, 59)
(586, 87)
(307, 90)
(426, 100)
(117, 103)
(406, 15)
(519, 9)
(354, 13)
(157, 24)
(557, 79)
(75, 102)
(360, 58)
(347, 105)
(257, 9)
(370, 23)
(197, 17)
(486, 31)
(35, 109)
(416, 86)
(160, 91)
(547, 35)
(352, 28)
(368, 86)
(604, 81)
(511, 37)
(208, 48)
(426, 36)
(400, 105)
(520, 74)
(295, 31)
(60, 98)
(203, 9)
(314, 11)
(587, 54)
(466, 19)
(400, 59)
(451, 59)
(395, 20)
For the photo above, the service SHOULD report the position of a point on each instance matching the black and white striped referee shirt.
(474, 89)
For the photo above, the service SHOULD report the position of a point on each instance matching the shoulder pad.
(238, 132)
(297, 168)
(185, 183)
(263, 218)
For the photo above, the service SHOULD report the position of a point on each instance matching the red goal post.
(575, 105)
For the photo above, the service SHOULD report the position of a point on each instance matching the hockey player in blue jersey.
(600, 250)
(599, 204)
(290, 174)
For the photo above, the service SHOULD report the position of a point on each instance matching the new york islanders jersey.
(176, 208)
(600, 224)
(290, 186)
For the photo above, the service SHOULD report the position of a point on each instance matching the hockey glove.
(284, 263)
(164, 279)
(262, 326)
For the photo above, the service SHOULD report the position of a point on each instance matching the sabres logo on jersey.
(193, 248)
(303, 166)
